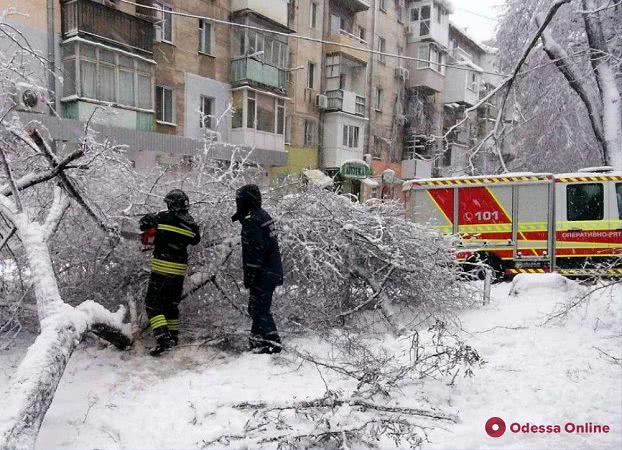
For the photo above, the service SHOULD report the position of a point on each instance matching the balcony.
(428, 80)
(459, 88)
(251, 71)
(346, 101)
(275, 10)
(354, 5)
(85, 17)
(341, 38)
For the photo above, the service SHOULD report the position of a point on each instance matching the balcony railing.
(246, 70)
(346, 101)
(105, 23)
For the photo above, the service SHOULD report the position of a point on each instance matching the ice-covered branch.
(32, 388)
(60, 204)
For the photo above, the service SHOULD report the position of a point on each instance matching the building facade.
(357, 88)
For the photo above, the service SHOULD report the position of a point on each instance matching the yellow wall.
(298, 159)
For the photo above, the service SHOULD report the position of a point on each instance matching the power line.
(473, 13)
(307, 38)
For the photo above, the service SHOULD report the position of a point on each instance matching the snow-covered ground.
(541, 375)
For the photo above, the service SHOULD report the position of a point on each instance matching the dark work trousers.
(259, 304)
(163, 297)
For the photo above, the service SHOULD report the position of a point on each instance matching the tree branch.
(60, 204)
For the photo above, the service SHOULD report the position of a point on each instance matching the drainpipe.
(370, 77)
(320, 127)
(51, 66)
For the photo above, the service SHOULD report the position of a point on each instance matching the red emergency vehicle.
(528, 223)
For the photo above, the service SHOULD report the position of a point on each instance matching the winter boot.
(269, 345)
(164, 342)
(255, 343)
(174, 336)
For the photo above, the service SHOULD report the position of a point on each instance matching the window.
(431, 57)
(362, 34)
(424, 20)
(424, 57)
(585, 202)
(350, 136)
(165, 105)
(126, 80)
(473, 83)
(414, 15)
(237, 99)
(165, 29)
(314, 14)
(382, 46)
(379, 99)
(265, 113)
(619, 196)
(250, 110)
(342, 81)
(107, 76)
(310, 136)
(207, 113)
(400, 52)
(310, 75)
(205, 37)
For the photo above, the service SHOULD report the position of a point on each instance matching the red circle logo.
(495, 427)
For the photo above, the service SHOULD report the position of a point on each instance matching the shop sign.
(355, 170)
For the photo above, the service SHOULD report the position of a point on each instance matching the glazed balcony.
(346, 101)
(104, 23)
(250, 71)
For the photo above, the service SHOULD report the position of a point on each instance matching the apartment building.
(163, 83)
(168, 84)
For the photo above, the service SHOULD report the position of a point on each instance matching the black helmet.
(247, 199)
(177, 201)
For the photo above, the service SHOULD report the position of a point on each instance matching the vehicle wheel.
(491, 260)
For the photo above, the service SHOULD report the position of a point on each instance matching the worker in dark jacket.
(262, 267)
(175, 229)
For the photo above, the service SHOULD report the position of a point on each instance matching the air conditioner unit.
(402, 73)
(321, 101)
(30, 98)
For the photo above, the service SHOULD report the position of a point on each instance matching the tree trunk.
(605, 77)
(62, 327)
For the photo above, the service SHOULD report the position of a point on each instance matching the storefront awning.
(318, 178)
(370, 182)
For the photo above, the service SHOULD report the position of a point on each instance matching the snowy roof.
(470, 64)
(370, 182)
(467, 35)
(318, 178)
(489, 49)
